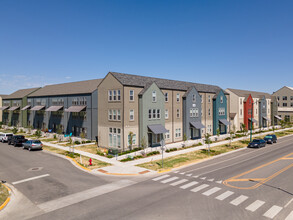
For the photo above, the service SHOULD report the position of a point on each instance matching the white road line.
(225, 195)
(239, 200)
(211, 180)
(290, 216)
(220, 181)
(255, 205)
(161, 177)
(177, 171)
(182, 173)
(189, 174)
(170, 179)
(189, 185)
(179, 182)
(29, 179)
(196, 189)
(288, 203)
(211, 191)
(195, 176)
(273, 211)
(203, 178)
(84, 195)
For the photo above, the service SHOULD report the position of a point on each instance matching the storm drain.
(35, 169)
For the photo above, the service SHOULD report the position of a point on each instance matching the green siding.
(216, 105)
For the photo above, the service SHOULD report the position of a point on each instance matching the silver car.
(32, 145)
(4, 137)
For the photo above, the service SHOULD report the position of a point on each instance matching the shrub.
(14, 130)
(153, 153)
(199, 144)
(109, 156)
(83, 142)
(88, 142)
(76, 142)
(100, 153)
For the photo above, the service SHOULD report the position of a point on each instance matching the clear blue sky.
(234, 44)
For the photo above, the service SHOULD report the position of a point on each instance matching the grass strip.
(3, 194)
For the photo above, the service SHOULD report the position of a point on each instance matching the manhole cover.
(35, 169)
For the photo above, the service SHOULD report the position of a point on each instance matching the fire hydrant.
(90, 160)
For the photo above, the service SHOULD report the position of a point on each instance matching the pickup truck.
(17, 140)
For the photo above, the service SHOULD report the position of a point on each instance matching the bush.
(14, 130)
(100, 153)
(199, 144)
(109, 156)
(76, 142)
(83, 142)
(130, 151)
(153, 153)
(88, 142)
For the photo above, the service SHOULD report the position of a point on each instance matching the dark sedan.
(271, 138)
(257, 143)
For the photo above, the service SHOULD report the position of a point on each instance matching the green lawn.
(3, 194)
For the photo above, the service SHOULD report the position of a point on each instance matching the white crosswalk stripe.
(195, 176)
(211, 180)
(161, 177)
(189, 185)
(239, 200)
(203, 178)
(196, 189)
(170, 179)
(177, 171)
(290, 216)
(179, 182)
(220, 181)
(255, 205)
(189, 174)
(211, 191)
(273, 211)
(225, 195)
(182, 173)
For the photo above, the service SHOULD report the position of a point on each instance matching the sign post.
(162, 148)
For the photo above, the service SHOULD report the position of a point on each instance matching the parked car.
(271, 138)
(4, 137)
(258, 143)
(17, 140)
(32, 145)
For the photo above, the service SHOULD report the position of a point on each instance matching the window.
(178, 113)
(115, 137)
(178, 132)
(191, 112)
(118, 95)
(110, 114)
(114, 115)
(250, 111)
(166, 97)
(209, 130)
(178, 97)
(222, 111)
(194, 98)
(150, 114)
(209, 98)
(167, 113)
(158, 113)
(240, 112)
(133, 139)
(222, 99)
(284, 98)
(114, 95)
(291, 104)
(110, 95)
(284, 104)
(209, 112)
(118, 115)
(194, 112)
(278, 97)
(154, 96)
(167, 135)
(201, 99)
(154, 113)
(131, 95)
(131, 115)
(291, 98)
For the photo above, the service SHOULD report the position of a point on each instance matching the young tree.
(130, 139)
(14, 130)
(207, 140)
(143, 143)
(38, 133)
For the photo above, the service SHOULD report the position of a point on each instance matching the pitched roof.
(81, 87)
(254, 94)
(142, 81)
(3, 96)
(20, 93)
(289, 87)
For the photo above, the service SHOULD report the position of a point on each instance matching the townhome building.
(68, 108)
(1, 111)
(11, 105)
(284, 98)
(150, 110)
(251, 109)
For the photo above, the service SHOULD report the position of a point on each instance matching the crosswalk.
(207, 188)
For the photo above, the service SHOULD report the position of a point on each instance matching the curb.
(78, 164)
(123, 174)
(8, 198)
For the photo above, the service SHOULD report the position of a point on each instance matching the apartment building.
(1, 111)
(12, 115)
(68, 108)
(284, 98)
(153, 109)
(251, 108)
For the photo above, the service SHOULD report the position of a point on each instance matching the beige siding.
(169, 121)
(206, 119)
(177, 122)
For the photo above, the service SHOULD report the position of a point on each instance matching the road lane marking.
(203, 178)
(189, 174)
(189, 185)
(255, 205)
(84, 195)
(211, 191)
(225, 195)
(177, 171)
(179, 182)
(182, 173)
(29, 179)
(170, 179)
(196, 189)
(239, 200)
(211, 180)
(288, 203)
(290, 216)
(220, 181)
(161, 177)
(273, 211)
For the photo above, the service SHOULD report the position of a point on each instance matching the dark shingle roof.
(3, 96)
(142, 81)
(81, 87)
(19, 94)
(254, 94)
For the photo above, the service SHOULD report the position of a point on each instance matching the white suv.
(4, 137)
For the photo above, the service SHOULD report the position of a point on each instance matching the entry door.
(222, 128)
(196, 133)
(150, 136)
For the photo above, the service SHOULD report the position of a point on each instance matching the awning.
(157, 129)
(37, 108)
(25, 107)
(53, 108)
(253, 120)
(265, 118)
(278, 117)
(225, 122)
(75, 108)
(197, 125)
(232, 115)
(4, 108)
(13, 108)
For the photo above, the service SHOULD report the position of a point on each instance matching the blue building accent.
(220, 113)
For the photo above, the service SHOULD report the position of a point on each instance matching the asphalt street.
(247, 184)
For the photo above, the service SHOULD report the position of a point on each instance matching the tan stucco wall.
(177, 122)
(169, 121)
(283, 111)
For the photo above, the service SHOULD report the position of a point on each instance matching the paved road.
(248, 184)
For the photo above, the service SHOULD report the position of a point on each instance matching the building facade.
(284, 98)
(1, 111)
